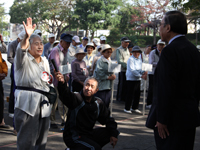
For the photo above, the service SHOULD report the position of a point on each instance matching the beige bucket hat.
(80, 51)
(105, 47)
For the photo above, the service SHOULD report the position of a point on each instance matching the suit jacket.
(176, 87)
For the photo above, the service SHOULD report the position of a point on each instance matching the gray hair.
(91, 78)
(34, 36)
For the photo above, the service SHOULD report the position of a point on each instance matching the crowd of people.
(74, 78)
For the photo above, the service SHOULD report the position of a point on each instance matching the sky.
(7, 4)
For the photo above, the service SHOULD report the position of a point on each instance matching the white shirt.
(70, 53)
(28, 74)
(175, 37)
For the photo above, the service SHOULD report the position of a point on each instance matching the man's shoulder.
(120, 47)
(13, 43)
(152, 52)
(47, 44)
(98, 100)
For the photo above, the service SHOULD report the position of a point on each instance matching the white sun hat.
(80, 51)
(160, 42)
(90, 44)
(105, 47)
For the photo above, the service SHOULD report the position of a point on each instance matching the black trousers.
(177, 140)
(12, 97)
(1, 101)
(105, 95)
(96, 141)
(150, 90)
(121, 88)
(76, 86)
(132, 94)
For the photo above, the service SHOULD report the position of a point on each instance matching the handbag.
(51, 95)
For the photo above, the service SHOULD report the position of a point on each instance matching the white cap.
(21, 35)
(160, 42)
(76, 39)
(102, 38)
(96, 41)
(51, 35)
(37, 31)
(198, 47)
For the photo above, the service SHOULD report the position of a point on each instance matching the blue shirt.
(47, 49)
(134, 69)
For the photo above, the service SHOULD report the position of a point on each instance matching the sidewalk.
(133, 133)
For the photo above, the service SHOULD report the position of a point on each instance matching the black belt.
(50, 95)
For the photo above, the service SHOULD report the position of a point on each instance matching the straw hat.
(90, 44)
(80, 51)
(105, 47)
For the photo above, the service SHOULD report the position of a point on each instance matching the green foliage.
(52, 15)
(2, 11)
(96, 14)
(125, 26)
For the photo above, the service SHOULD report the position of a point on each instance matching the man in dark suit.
(174, 114)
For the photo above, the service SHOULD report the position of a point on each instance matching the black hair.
(153, 47)
(177, 21)
(130, 45)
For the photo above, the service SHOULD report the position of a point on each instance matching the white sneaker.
(127, 111)
(11, 115)
(148, 106)
(136, 111)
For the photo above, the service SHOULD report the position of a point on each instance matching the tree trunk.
(58, 35)
(195, 28)
(147, 31)
(154, 35)
(92, 35)
(86, 33)
(77, 31)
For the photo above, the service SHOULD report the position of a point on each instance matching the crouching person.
(84, 111)
(32, 109)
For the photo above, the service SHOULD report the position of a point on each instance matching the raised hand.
(29, 28)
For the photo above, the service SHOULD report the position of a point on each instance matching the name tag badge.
(64, 69)
(84, 71)
(50, 79)
(45, 76)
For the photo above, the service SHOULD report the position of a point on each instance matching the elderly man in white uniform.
(31, 71)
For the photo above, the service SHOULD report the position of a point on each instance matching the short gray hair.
(91, 78)
(32, 37)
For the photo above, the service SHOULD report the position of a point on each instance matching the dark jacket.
(82, 115)
(176, 87)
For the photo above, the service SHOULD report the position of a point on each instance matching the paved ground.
(133, 134)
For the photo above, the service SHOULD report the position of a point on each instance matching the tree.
(2, 11)
(192, 10)
(125, 13)
(54, 16)
(150, 15)
(96, 14)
